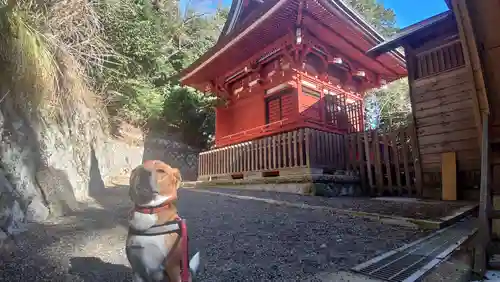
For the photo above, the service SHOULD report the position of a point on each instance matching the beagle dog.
(156, 244)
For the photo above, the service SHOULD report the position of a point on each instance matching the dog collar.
(153, 210)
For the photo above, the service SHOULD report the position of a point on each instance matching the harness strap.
(156, 230)
(153, 210)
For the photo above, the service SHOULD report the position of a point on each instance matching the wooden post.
(295, 145)
(396, 161)
(274, 148)
(379, 177)
(308, 147)
(387, 160)
(449, 176)
(283, 150)
(368, 161)
(247, 151)
(417, 165)
(480, 256)
(289, 145)
(200, 164)
(269, 162)
(346, 152)
(301, 147)
(361, 155)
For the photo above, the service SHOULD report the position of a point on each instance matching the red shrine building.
(291, 75)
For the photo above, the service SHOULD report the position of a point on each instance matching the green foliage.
(384, 20)
(152, 42)
(389, 107)
(191, 113)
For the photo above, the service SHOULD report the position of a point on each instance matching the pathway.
(240, 240)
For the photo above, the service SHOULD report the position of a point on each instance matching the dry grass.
(45, 52)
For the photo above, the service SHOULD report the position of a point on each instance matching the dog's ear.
(176, 173)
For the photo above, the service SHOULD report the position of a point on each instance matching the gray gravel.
(419, 210)
(240, 240)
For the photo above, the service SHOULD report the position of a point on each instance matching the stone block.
(37, 211)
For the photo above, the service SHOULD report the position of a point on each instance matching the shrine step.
(411, 262)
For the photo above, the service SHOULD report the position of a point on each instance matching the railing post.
(417, 164)
(308, 148)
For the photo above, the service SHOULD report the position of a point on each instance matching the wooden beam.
(352, 64)
(299, 13)
(317, 22)
(480, 256)
(449, 176)
(409, 56)
(472, 61)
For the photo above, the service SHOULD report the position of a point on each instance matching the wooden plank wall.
(386, 161)
(444, 118)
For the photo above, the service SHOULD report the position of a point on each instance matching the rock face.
(47, 168)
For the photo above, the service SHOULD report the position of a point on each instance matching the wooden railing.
(298, 148)
(387, 162)
(249, 133)
(439, 59)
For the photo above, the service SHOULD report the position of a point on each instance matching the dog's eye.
(160, 170)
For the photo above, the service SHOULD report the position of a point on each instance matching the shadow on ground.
(78, 246)
(91, 269)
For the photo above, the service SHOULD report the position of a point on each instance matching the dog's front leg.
(174, 272)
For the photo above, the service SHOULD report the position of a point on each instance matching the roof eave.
(359, 21)
(231, 18)
(399, 40)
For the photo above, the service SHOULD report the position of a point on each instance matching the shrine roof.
(242, 36)
(408, 33)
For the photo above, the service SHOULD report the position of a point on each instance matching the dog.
(156, 245)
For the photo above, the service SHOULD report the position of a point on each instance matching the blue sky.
(411, 11)
(407, 11)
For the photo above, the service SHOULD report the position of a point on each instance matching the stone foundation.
(342, 183)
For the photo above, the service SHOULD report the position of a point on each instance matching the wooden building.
(454, 63)
(447, 100)
(292, 74)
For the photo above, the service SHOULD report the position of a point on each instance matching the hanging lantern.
(360, 73)
(383, 84)
(338, 61)
(298, 35)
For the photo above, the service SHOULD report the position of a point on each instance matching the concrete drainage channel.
(413, 261)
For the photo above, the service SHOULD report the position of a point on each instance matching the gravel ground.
(240, 240)
(428, 210)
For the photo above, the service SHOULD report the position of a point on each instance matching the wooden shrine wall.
(441, 91)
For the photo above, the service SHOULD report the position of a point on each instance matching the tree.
(384, 20)
(153, 40)
(388, 107)
(192, 114)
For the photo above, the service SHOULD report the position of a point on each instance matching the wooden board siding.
(444, 119)
(485, 18)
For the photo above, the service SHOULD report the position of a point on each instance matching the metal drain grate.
(412, 261)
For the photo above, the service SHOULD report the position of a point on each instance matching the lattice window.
(332, 109)
(279, 106)
(438, 60)
(273, 110)
(354, 115)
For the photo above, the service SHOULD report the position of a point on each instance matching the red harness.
(182, 231)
